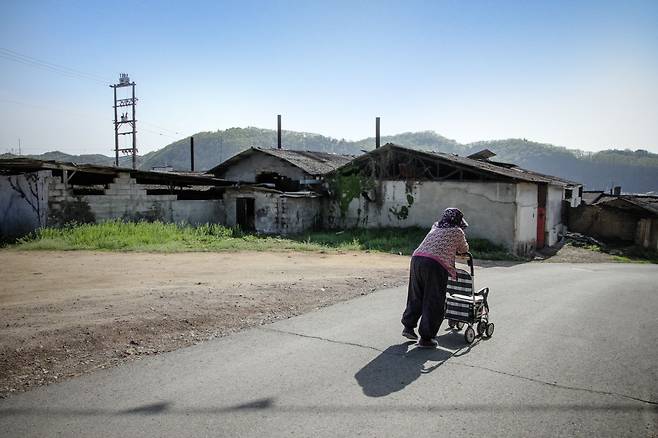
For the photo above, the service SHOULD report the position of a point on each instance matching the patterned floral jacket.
(442, 244)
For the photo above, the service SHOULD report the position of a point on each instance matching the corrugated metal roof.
(311, 162)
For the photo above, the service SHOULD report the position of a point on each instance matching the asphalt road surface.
(574, 353)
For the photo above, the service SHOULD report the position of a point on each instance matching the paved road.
(575, 353)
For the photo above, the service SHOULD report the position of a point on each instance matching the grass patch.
(394, 240)
(161, 237)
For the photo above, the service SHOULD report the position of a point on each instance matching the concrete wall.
(489, 208)
(525, 227)
(23, 204)
(125, 199)
(247, 169)
(300, 214)
(275, 213)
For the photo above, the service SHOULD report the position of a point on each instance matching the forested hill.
(635, 171)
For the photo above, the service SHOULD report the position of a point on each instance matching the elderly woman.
(431, 264)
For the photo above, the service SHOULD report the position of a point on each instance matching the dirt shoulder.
(66, 313)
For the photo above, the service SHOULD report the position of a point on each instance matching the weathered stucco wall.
(603, 223)
(525, 240)
(247, 169)
(554, 206)
(299, 214)
(23, 203)
(490, 208)
(647, 233)
(265, 207)
(275, 213)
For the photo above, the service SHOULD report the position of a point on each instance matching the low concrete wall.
(23, 203)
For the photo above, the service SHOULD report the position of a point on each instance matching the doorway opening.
(245, 214)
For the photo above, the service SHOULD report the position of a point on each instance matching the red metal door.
(541, 227)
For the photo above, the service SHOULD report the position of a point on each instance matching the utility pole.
(377, 137)
(125, 119)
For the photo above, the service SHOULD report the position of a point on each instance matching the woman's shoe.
(427, 343)
(409, 333)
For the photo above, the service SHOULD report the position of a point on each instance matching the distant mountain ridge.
(635, 171)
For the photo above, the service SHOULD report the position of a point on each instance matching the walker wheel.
(481, 327)
(490, 329)
(451, 323)
(469, 335)
(459, 325)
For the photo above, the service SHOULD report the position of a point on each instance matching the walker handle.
(469, 261)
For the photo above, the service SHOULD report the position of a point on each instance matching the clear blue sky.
(578, 74)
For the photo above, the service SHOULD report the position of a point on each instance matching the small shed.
(616, 217)
(278, 191)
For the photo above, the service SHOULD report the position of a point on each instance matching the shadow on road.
(399, 365)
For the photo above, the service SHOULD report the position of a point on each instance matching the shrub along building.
(277, 191)
(393, 186)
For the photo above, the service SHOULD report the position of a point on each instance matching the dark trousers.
(426, 296)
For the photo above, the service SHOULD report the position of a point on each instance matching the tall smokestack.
(377, 138)
(278, 131)
(191, 154)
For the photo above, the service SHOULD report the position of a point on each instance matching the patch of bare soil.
(63, 314)
(568, 253)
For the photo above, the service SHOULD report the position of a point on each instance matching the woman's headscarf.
(452, 217)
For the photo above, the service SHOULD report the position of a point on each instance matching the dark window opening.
(568, 193)
(280, 182)
(580, 191)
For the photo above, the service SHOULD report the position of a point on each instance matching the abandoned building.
(279, 191)
(276, 191)
(628, 219)
(393, 186)
(35, 193)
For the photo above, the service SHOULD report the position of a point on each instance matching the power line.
(12, 55)
(72, 73)
(59, 110)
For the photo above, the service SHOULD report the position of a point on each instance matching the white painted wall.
(489, 208)
(555, 196)
(525, 232)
